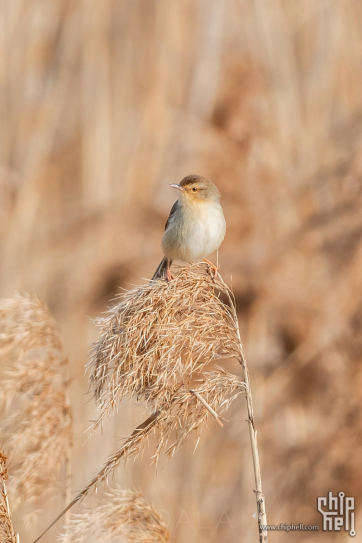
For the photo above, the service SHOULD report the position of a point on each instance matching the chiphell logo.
(337, 513)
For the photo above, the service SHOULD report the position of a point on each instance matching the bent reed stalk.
(155, 345)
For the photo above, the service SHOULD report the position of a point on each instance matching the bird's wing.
(172, 213)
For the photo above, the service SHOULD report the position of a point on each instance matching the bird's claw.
(169, 276)
(214, 271)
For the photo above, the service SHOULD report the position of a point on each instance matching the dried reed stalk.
(122, 513)
(260, 498)
(39, 430)
(154, 345)
(7, 534)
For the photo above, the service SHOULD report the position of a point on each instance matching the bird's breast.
(195, 231)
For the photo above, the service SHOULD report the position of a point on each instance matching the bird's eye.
(194, 189)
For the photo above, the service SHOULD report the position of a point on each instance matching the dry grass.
(159, 337)
(38, 431)
(27, 324)
(122, 513)
(154, 346)
(180, 416)
(7, 534)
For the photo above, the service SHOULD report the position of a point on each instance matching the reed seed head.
(122, 513)
(155, 345)
(39, 429)
(159, 336)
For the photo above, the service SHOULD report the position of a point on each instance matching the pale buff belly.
(194, 233)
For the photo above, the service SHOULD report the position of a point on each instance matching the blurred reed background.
(103, 104)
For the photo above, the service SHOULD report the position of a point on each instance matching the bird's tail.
(160, 272)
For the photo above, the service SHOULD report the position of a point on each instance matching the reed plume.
(158, 337)
(180, 415)
(7, 534)
(39, 430)
(122, 513)
(155, 345)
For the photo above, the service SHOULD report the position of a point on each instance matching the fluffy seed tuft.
(122, 513)
(39, 429)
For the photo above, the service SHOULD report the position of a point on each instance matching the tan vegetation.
(37, 433)
(7, 534)
(154, 345)
(158, 337)
(102, 105)
(122, 513)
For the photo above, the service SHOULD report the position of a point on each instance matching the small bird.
(195, 227)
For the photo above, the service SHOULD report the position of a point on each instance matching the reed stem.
(68, 460)
(260, 499)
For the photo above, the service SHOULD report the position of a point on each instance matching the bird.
(195, 227)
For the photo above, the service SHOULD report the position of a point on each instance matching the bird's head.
(195, 188)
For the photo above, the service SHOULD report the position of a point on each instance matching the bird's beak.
(178, 187)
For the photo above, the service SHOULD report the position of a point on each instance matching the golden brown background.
(103, 104)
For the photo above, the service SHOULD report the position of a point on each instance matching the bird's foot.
(214, 270)
(169, 276)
